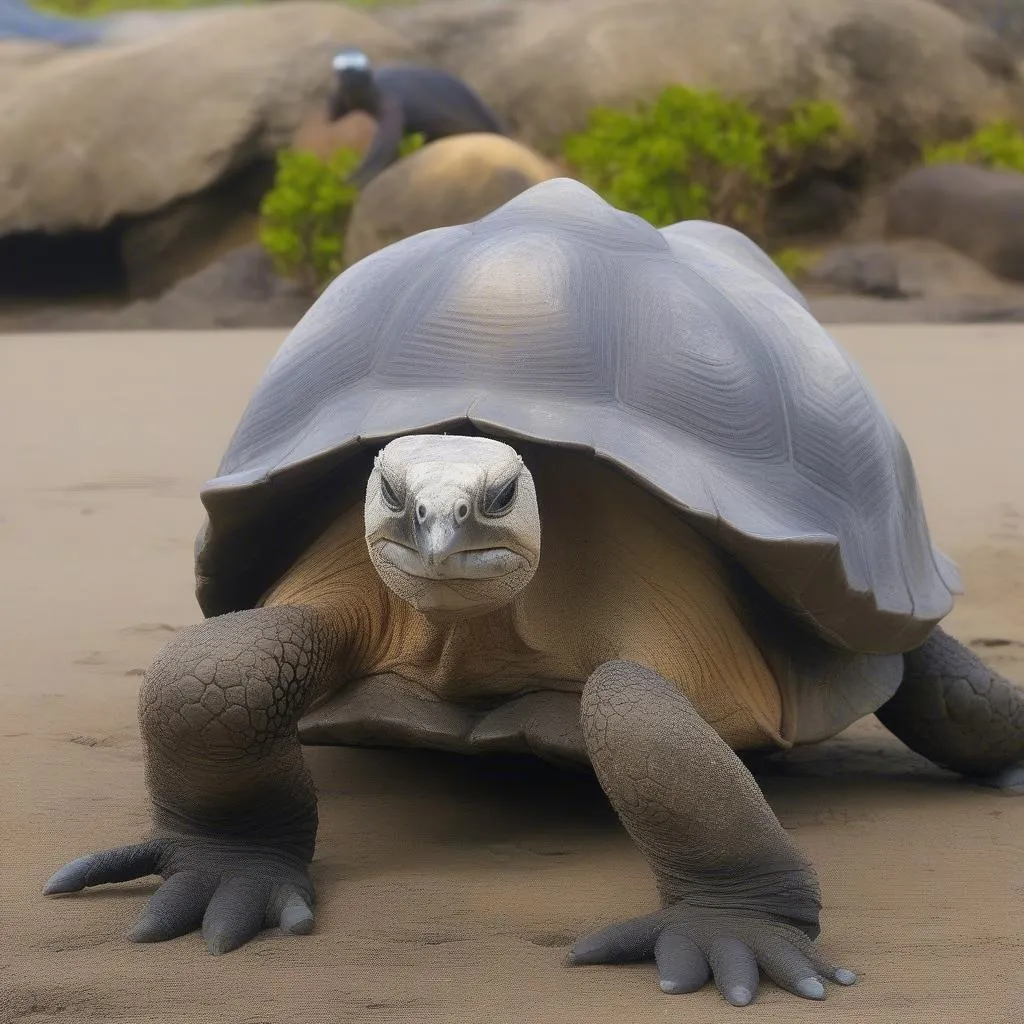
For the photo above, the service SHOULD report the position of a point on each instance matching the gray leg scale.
(738, 897)
(957, 712)
(234, 809)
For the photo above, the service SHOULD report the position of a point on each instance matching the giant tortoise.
(735, 558)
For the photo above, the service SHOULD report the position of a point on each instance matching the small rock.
(976, 211)
(1005, 17)
(912, 268)
(867, 269)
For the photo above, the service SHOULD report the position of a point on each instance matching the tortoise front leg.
(234, 808)
(737, 895)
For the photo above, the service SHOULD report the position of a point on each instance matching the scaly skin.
(737, 895)
(956, 711)
(234, 808)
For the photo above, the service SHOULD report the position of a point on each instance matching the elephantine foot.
(692, 945)
(230, 892)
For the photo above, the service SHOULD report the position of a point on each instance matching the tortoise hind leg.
(957, 712)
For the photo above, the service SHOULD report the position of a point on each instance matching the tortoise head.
(452, 523)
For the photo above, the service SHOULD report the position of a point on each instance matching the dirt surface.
(450, 890)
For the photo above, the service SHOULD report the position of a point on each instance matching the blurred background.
(189, 164)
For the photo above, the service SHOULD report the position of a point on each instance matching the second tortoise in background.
(404, 100)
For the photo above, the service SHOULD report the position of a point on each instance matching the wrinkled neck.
(443, 620)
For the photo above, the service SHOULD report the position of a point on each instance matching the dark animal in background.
(404, 100)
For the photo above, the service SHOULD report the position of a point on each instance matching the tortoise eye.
(389, 495)
(499, 499)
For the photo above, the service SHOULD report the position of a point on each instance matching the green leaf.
(668, 160)
(997, 146)
(304, 215)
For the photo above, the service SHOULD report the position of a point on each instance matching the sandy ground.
(450, 890)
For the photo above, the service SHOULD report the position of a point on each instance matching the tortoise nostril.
(461, 511)
(421, 512)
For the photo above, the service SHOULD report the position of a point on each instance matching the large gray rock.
(906, 71)
(976, 211)
(1005, 17)
(93, 136)
(962, 309)
(239, 290)
(905, 269)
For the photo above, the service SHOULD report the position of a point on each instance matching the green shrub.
(698, 155)
(305, 213)
(999, 146)
(794, 262)
(410, 143)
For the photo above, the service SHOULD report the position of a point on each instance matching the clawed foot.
(230, 892)
(692, 945)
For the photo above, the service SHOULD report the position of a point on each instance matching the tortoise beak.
(436, 541)
(437, 530)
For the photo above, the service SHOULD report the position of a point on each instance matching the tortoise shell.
(682, 356)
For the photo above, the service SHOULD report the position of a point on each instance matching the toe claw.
(675, 988)
(219, 943)
(691, 946)
(739, 995)
(298, 920)
(579, 954)
(811, 988)
(144, 930)
(65, 879)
